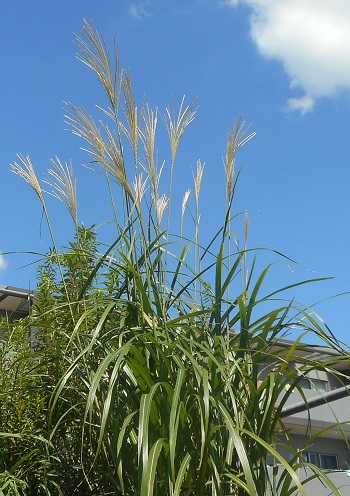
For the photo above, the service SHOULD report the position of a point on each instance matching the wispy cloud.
(303, 104)
(3, 262)
(140, 10)
(311, 38)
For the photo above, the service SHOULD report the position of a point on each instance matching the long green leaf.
(150, 469)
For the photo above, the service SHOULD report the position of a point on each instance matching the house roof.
(322, 354)
(15, 300)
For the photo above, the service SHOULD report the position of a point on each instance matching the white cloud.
(3, 262)
(311, 38)
(140, 10)
(303, 104)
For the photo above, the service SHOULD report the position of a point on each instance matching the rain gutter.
(302, 406)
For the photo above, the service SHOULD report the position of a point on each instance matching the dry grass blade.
(63, 185)
(177, 125)
(25, 170)
(94, 54)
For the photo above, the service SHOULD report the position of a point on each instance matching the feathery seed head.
(63, 185)
(113, 162)
(177, 125)
(246, 226)
(93, 53)
(25, 170)
(160, 204)
(148, 136)
(235, 139)
(131, 113)
(139, 187)
(106, 152)
(198, 180)
(84, 126)
(184, 202)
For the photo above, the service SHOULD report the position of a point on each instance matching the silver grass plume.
(235, 140)
(183, 210)
(105, 152)
(198, 180)
(161, 204)
(25, 170)
(94, 53)
(177, 125)
(84, 126)
(114, 162)
(148, 136)
(139, 187)
(64, 186)
(131, 114)
(246, 228)
(184, 203)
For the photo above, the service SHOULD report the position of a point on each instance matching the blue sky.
(282, 65)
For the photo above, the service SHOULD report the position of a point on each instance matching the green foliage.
(145, 369)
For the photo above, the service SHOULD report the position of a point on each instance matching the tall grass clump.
(153, 358)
